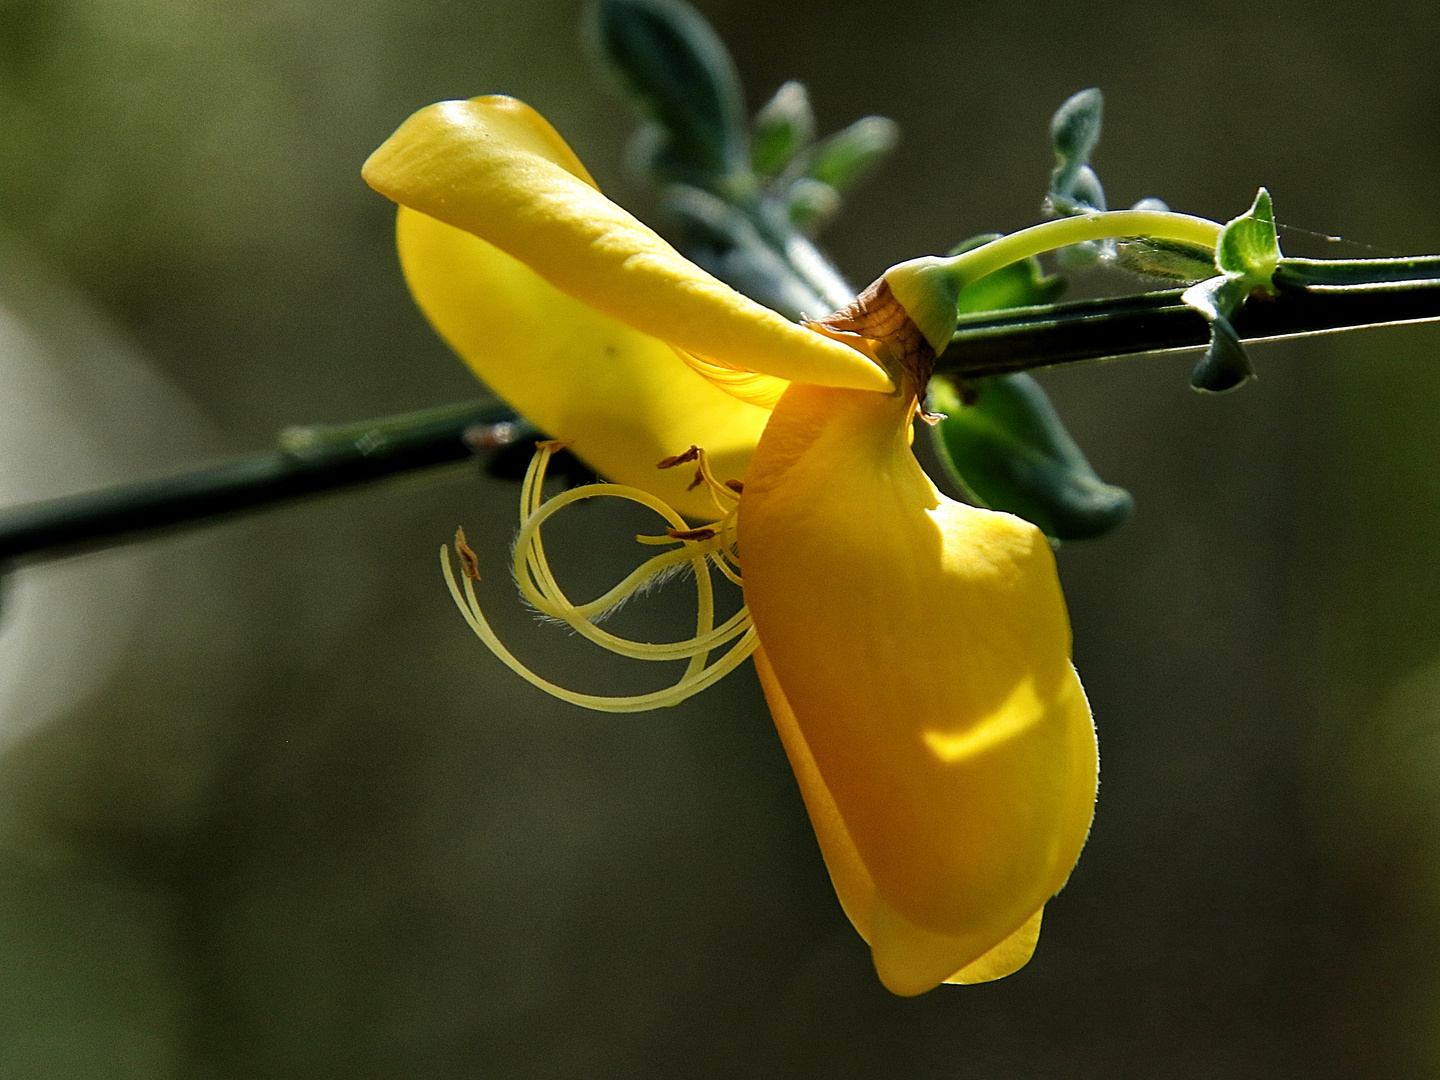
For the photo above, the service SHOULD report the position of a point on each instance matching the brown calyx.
(877, 316)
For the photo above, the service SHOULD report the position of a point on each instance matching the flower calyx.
(888, 332)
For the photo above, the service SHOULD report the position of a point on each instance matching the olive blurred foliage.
(267, 810)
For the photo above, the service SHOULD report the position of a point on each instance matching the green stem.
(928, 288)
(318, 460)
(974, 264)
(310, 461)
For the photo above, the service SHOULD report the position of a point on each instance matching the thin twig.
(1023, 339)
(310, 461)
(317, 460)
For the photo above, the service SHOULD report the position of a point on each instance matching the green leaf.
(1225, 365)
(673, 63)
(1007, 447)
(1169, 259)
(722, 239)
(1249, 246)
(842, 158)
(1009, 450)
(783, 127)
(811, 204)
(1074, 132)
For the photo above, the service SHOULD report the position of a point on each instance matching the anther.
(469, 561)
(737, 486)
(554, 445)
(702, 533)
(678, 459)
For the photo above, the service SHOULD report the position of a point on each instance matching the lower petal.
(853, 884)
(921, 649)
(1004, 959)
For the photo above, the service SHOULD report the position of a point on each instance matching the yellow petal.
(487, 166)
(1004, 959)
(626, 399)
(909, 957)
(852, 881)
(923, 646)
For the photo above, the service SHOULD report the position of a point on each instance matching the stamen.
(701, 548)
(678, 459)
(703, 533)
(469, 561)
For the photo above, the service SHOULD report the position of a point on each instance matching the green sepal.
(1009, 451)
(675, 65)
(783, 127)
(842, 158)
(928, 288)
(1021, 284)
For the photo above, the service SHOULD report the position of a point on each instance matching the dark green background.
(295, 822)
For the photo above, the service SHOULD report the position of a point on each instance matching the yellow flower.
(914, 651)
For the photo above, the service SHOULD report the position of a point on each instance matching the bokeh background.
(268, 810)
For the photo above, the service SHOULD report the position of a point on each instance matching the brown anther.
(702, 533)
(699, 479)
(876, 314)
(678, 459)
(737, 486)
(469, 561)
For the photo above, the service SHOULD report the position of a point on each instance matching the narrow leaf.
(675, 65)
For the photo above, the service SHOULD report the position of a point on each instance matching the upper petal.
(626, 399)
(924, 649)
(491, 166)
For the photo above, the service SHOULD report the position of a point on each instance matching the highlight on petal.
(625, 399)
(488, 167)
(918, 668)
(760, 390)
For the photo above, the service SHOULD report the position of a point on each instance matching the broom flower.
(914, 651)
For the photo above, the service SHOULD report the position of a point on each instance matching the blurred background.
(268, 809)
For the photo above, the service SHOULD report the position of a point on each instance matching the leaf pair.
(1246, 256)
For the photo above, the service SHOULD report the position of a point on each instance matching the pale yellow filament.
(538, 585)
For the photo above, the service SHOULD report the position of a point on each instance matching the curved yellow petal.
(626, 399)
(1004, 959)
(853, 884)
(487, 167)
(923, 647)
(909, 957)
